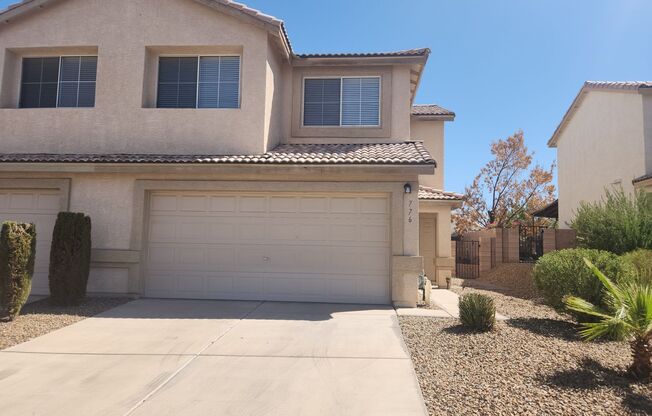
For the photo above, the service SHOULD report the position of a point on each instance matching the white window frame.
(363, 126)
(20, 93)
(176, 55)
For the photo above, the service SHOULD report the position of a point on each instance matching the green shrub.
(477, 311)
(641, 261)
(17, 251)
(619, 223)
(70, 258)
(564, 273)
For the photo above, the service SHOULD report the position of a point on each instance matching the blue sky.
(501, 65)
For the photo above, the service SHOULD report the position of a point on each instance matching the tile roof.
(403, 53)
(618, 85)
(430, 110)
(402, 153)
(432, 194)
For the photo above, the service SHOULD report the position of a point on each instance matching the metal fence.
(467, 259)
(530, 242)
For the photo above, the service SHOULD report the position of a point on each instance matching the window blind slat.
(69, 69)
(88, 68)
(68, 94)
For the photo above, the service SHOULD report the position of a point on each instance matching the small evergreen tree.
(70, 258)
(17, 251)
(618, 223)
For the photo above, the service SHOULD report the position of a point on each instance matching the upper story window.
(199, 82)
(343, 101)
(66, 81)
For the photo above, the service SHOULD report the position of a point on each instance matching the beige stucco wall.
(276, 74)
(431, 132)
(121, 30)
(117, 205)
(601, 146)
(128, 36)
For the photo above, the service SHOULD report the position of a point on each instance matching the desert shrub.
(17, 251)
(618, 223)
(70, 258)
(641, 261)
(477, 311)
(564, 273)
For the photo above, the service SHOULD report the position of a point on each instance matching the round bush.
(641, 261)
(477, 311)
(564, 272)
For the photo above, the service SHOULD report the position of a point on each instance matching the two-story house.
(603, 140)
(213, 160)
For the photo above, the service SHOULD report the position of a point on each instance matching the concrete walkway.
(172, 357)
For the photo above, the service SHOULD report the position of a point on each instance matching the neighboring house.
(604, 140)
(214, 161)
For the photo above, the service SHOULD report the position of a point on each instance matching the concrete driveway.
(173, 357)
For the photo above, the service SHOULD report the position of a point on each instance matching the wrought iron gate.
(467, 259)
(530, 242)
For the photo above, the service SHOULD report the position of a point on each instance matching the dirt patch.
(39, 318)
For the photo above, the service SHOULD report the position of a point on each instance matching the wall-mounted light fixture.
(408, 188)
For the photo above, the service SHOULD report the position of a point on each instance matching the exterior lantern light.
(408, 188)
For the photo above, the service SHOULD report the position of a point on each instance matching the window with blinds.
(66, 81)
(345, 101)
(199, 82)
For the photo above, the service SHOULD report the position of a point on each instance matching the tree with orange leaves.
(506, 190)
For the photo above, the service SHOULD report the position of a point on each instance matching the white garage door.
(294, 247)
(39, 207)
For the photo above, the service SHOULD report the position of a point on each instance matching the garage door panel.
(324, 248)
(40, 207)
(253, 204)
(374, 233)
(193, 203)
(283, 205)
(163, 203)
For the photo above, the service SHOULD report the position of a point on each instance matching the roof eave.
(443, 117)
(359, 60)
(453, 203)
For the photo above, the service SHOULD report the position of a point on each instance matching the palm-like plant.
(629, 316)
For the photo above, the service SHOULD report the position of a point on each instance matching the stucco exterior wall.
(117, 205)
(601, 146)
(122, 31)
(431, 132)
(128, 36)
(274, 110)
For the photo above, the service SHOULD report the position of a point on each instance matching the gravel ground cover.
(513, 278)
(39, 318)
(532, 364)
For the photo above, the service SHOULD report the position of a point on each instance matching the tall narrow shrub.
(70, 258)
(618, 223)
(17, 251)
